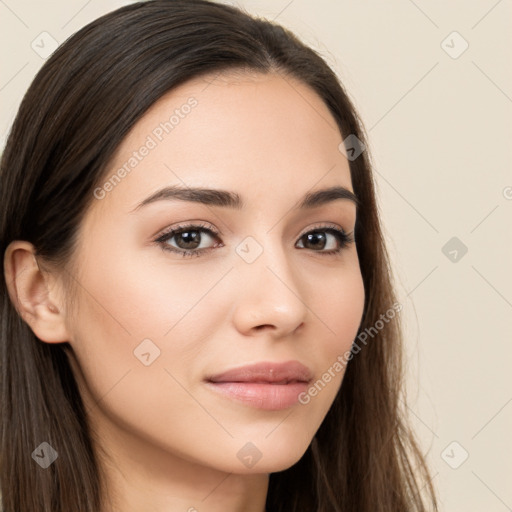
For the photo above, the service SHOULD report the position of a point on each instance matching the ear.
(34, 293)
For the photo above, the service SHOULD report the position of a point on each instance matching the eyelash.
(344, 239)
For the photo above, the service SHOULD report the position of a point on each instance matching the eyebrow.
(228, 199)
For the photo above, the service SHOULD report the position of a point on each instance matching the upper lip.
(285, 372)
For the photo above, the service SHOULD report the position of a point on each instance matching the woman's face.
(153, 325)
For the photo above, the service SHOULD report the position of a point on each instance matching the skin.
(169, 443)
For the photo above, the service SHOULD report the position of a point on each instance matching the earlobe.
(33, 294)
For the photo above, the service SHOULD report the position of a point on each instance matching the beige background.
(440, 132)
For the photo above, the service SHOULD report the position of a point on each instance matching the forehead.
(256, 134)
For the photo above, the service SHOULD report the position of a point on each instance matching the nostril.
(260, 327)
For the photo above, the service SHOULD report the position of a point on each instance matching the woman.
(197, 311)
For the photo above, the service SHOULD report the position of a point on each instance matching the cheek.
(131, 306)
(349, 309)
(122, 321)
(146, 295)
(337, 305)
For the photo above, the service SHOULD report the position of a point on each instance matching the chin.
(267, 455)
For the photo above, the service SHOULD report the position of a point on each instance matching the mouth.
(265, 385)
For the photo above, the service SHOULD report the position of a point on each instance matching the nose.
(270, 298)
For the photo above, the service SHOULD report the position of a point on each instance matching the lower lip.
(271, 397)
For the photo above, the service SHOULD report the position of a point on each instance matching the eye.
(188, 239)
(317, 238)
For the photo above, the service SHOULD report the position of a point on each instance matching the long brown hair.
(80, 106)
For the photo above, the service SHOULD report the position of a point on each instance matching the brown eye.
(318, 239)
(188, 240)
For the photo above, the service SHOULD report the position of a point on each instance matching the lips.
(265, 385)
(266, 372)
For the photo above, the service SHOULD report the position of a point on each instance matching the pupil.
(190, 237)
(316, 236)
